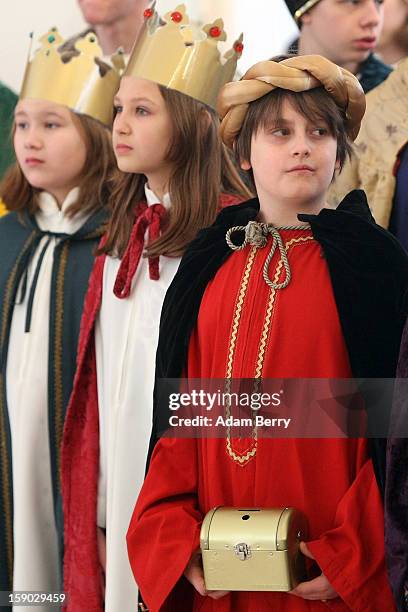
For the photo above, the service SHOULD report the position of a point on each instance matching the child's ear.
(337, 169)
(244, 165)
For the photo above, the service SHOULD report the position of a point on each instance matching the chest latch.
(242, 551)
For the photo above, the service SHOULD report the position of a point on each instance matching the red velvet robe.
(331, 480)
(80, 459)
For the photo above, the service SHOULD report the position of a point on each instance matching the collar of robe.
(256, 235)
(86, 232)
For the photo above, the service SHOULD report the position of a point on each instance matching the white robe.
(126, 339)
(36, 561)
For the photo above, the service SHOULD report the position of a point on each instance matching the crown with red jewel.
(178, 54)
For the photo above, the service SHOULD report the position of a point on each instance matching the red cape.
(80, 461)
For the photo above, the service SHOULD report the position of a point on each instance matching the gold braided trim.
(297, 240)
(59, 318)
(238, 310)
(4, 456)
(58, 365)
(266, 329)
(243, 458)
(6, 486)
(233, 341)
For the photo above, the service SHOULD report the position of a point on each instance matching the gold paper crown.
(177, 54)
(73, 74)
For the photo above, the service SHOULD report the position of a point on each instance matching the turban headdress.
(297, 74)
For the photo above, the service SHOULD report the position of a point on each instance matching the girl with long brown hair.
(176, 176)
(56, 195)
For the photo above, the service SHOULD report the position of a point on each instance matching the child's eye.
(320, 131)
(280, 132)
(140, 110)
(22, 125)
(51, 125)
(117, 109)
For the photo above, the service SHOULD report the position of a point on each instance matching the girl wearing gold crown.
(280, 287)
(56, 194)
(176, 175)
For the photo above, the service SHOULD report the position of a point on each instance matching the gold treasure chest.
(253, 549)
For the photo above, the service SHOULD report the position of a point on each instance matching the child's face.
(49, 146)
(345, 31)
(142, 129)
(293, 161)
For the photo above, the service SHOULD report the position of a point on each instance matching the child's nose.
(301, 145)
(32, 140)
(121, 125)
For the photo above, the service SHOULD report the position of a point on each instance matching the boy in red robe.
(310, 293)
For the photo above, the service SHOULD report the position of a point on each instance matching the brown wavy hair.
(95, 182)
(316, 105)
(203, 169)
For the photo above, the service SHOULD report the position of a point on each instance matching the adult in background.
(115, 22)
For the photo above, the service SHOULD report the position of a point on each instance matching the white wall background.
(20, 17)
(267, 27)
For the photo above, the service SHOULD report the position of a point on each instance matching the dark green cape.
(72, 265)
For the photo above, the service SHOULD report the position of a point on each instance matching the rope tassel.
(256, 235)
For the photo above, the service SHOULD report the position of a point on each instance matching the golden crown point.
(215, 31)
(51, 38)
(177, 17)
(74, 74)
(178, 54)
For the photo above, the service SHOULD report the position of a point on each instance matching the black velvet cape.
(369, 274)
